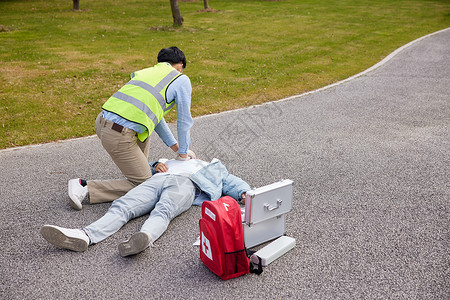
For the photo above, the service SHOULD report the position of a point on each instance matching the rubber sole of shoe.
(59, 239)
(138, 242)
(76, 204)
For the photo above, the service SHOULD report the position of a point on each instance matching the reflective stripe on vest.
(139, 104)
(142, 99)
(155, 91)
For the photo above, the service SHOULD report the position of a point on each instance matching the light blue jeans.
(165, 196)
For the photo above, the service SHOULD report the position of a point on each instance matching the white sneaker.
(72, 239)
(77, 193)
(138, 242)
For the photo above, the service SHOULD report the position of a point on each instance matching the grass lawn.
(58, 66)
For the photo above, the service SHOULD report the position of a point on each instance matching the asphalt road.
(370, 162)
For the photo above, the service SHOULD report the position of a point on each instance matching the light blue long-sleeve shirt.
(180, 89)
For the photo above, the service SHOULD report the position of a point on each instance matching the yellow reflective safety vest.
(143, 99)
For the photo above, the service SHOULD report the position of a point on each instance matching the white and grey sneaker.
(77, 193)
(72, 239)
(138, 242)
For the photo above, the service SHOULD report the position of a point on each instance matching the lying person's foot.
(72, 239)
(77, 193)
(138, 242)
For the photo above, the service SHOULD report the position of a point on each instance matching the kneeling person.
(174, 187)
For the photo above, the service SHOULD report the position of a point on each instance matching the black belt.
(117, 127)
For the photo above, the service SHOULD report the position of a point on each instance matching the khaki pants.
(128, 153)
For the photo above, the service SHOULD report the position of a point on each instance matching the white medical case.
(273, 250)
(265, 212)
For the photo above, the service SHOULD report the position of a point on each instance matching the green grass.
(57, 66)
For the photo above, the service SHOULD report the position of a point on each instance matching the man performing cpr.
(129, 117)
(173, 188)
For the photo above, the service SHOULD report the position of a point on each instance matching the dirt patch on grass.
(172, 28)
(6, 28)
(19, 74)
(211, 10)
(80, 10)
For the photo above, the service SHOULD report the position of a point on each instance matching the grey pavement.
(370, 162)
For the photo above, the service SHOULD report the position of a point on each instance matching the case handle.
(267, 206)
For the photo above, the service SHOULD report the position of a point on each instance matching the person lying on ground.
(174, 187)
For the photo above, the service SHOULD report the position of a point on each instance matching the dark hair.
(172, 55)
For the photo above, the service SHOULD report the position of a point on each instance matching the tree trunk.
(76, 4)
(205, 3)
(176, 14)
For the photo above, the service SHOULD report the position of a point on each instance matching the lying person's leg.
(137, 202)
(177, 197)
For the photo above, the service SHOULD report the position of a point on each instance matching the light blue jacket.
(214, 181)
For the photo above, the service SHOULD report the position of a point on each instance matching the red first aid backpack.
(222, 247)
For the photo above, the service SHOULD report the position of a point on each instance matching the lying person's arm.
(161, 168)
(158, 167)
(235, 187)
